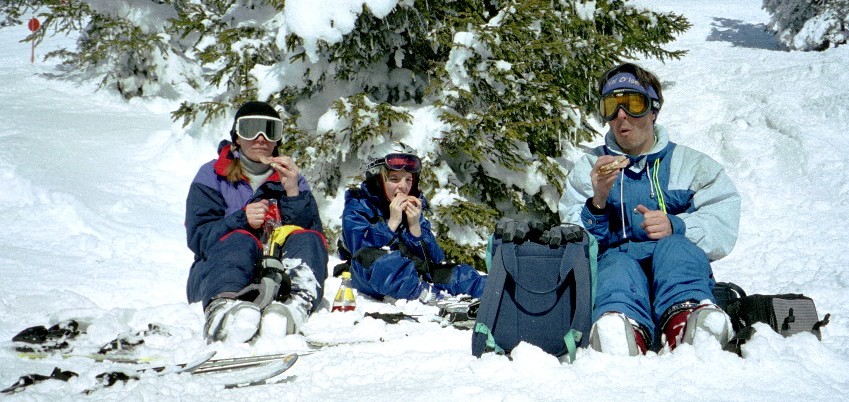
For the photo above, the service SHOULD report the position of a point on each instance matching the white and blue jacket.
(699, 198)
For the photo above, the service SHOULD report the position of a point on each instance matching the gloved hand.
(273, 284)
(562, 234)
(511, 230)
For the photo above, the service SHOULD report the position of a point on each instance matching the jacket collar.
(226, 158)
(661, 147)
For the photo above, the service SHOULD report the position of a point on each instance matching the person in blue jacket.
(245, 292)
(660, 216)
(394, 252)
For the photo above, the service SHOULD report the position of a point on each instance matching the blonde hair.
(235, 171)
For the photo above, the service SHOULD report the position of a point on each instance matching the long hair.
(235, 172)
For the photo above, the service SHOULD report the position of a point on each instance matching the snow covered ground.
(92, 203)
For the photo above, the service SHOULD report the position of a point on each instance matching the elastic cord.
(660, 200)
(622, 202)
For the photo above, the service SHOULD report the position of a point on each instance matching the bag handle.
(572, 260)
(583, 280)
(510, 265)
(482, 339)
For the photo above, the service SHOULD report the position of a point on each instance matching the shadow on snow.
(743, 34)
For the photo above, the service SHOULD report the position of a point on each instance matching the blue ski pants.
(644, 279)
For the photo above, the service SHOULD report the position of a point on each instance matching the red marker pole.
(34, 24)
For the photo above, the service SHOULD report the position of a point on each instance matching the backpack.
(787, 314)
(537, 293)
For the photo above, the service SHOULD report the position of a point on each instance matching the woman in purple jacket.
(394, 251)
(246, 293)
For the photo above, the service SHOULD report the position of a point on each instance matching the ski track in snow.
(93, 203)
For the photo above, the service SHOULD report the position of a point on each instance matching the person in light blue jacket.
(391, 248)
(661, 212)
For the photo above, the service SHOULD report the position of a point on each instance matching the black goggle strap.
(250, 127)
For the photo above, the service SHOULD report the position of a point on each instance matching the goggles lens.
(633, 103)
(408, 162)
(250, 127)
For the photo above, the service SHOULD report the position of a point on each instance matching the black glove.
(368, 255)
(517, 231)
(562, 234)
(273, 284)
(441, 273)
(390, 318)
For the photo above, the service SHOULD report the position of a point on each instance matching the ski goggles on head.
(401, 161)
(635, 104)
(250, 127)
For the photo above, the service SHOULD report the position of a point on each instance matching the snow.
(93, 201)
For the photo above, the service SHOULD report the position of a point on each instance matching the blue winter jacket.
(364, 225)
(701, 201)
(215, 206)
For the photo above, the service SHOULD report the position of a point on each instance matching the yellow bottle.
(344, 300)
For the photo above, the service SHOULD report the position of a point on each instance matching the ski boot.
(614, 333)
(458, 311)
(683, 321)
(231, 321)
(279, 320)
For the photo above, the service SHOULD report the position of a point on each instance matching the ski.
(39, 342)
(117, 358)
(108, 378)
(237, 372)
(240, 362)
(58, 340)
(43, 339)
(249, 373)
(35, 378)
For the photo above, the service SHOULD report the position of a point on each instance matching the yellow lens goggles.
(635, 104)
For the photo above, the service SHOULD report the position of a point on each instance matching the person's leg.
(681, 272)
(464, 279)
(621, 317)
(309, 248)
(286, 316)
(379, 273)
(684, 301)
(622, 287)
(228, 267)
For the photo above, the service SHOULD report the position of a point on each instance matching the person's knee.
(622, 286)
(676, 255)
(309, 238)
(616, 264)
(680, 245)
(310, 247)
(235, 245)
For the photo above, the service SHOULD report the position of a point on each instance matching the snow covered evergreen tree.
(809, 24)
(491, 92)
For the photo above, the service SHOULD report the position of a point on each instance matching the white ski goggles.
(250, 127)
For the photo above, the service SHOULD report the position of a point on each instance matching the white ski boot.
(231, 321)
(614, 333)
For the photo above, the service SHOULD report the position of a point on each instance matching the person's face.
(397, 182)
(256, 148)
(635, 135)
